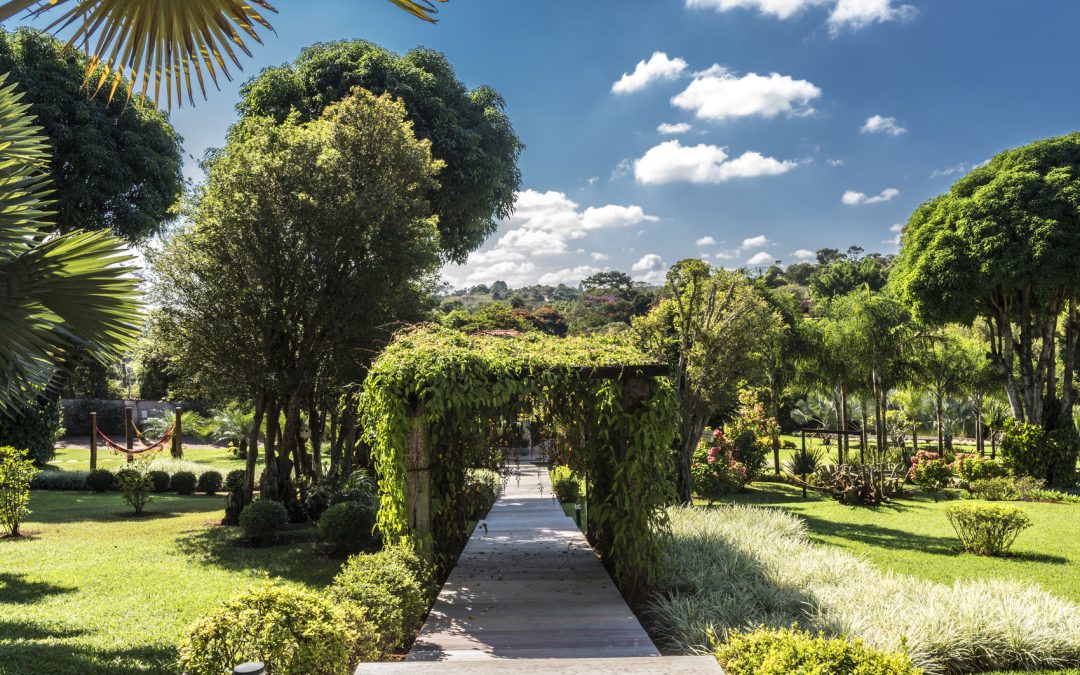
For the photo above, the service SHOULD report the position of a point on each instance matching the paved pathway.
(530, 587)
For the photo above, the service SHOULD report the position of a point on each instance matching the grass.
(74, 455)
(732, 567)
(913, 536)
(95, 590)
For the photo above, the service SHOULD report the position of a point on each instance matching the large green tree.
(709, 330)
(468, 130)
(306, 239)
(1002, 247)
(114, 166)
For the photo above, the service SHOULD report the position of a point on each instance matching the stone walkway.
(528, 586)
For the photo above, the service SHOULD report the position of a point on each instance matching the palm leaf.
(56, 292)
(178, 43)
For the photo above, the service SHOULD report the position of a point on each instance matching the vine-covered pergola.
(437, 400)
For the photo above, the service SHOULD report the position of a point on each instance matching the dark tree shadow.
(881, 537)
(16, 589)
(291, 557)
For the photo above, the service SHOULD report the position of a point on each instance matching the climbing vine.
(586, 393)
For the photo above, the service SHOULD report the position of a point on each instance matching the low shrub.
(263, 520)
(715, 471)
(985, 529)
(234, 480)
(788, 444)
(971, 468)
(16, 472)
(721, 570)
(481, 490)
(58, 479)
(183, 483)
(993, 489)
(788, 650)
(930, 472)
(565, 484)
(209, 483)
(291, 631)
(161, 480)
(1031, 450)
(358, 487)
(136, 486)
(388, 586)
(34, 427)
(100, 480)
(348, 526)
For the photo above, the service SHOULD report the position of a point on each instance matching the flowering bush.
(751, 432)
(971, 468)
(715, 470)
(930, 472)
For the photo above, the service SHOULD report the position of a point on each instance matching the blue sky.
(790, 104)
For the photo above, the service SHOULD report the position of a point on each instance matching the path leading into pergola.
(528, 586)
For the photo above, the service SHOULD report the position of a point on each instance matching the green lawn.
(914, 537)
(94, 590)
(74, 455)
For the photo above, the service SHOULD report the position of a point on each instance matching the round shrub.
(183, 483)
(930, 472)
(789, 650)
(263, 519)
(565, 484)
(987, 529)
(209, 483)
(124, 475)
(388, 588)
(234, 480)
(100, 480)
(161, 480)
(292, 631)
(348, 526)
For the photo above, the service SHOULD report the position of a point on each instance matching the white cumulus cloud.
(717, 94)
(850, 14)
(760, 258)
(882, 125)
(803, 255)
(853, 198)
(671, 161)
(674, 129)
(659, 67)
(755, 242)
(705, 241)
(651, 269)
(569, 275)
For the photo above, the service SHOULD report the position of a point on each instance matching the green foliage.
(348, 526)
(100, 480)
(115, 166)
(110, 416)
(386, 585)
(751, 431)
(766, 651)
(468, 130)
(161, 480)
(234, 480)
(715, 470)
(136, 485)
(930, 472)
(985, 529)
(565, 485)
(846, 276)
(59, 479)
(33, 427)
(481, 490)
(465, 386)
(263, 520)
(16, 472)
(803, 464)
(183, 483)
(293, 632)
(1030, 450)
(209, 483)
(971, 468)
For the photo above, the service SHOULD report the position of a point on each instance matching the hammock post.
(129, 424)
(93, 441)
(178, 432)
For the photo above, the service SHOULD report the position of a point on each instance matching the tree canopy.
(114, 166)
(468, 130)
(1002, 246)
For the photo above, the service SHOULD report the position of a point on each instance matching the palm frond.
(180, 43)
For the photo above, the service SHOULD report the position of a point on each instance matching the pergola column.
(418, 486)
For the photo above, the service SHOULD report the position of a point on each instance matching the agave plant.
(57, 292)
(170, 42)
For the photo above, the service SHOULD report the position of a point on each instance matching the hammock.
(147, 447)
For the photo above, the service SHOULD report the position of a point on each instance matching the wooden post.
(93, 441)
(129, 438)
(803, 432)
(178, 435)
(418, 487)
(914, 438)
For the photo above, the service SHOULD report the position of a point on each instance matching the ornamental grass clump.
(723, 569)
(985, 529)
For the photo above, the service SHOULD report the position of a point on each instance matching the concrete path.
(529, 587)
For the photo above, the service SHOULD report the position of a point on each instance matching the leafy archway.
(436, 399)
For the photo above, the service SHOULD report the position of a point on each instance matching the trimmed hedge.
(788, 650)
(56, 479)
(263, 520)
(348, 526)
(391, 585)
(161, 480)
(183, 483)
(100, 480)
(209, 483)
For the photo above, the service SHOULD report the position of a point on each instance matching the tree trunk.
(692, 428)
(940, 430)
(253, 451)
(775, 396)
(841, 443)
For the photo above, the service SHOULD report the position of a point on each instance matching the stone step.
(653, 665)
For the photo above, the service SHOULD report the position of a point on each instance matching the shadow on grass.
(15, 588)
(74, 507)
(881, 537)
(296, 556)
(26, 647)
